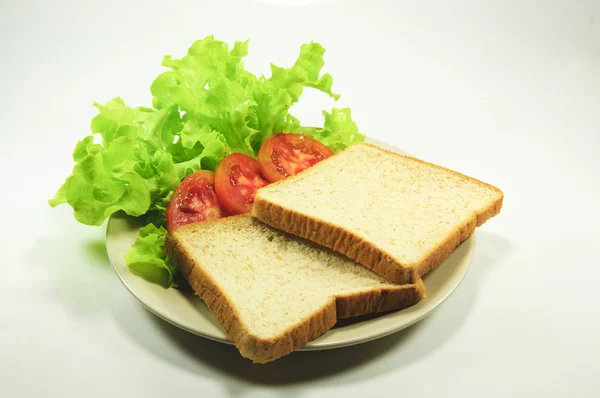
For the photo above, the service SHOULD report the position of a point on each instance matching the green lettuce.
(338, 132)
(127, 171)
(204, 107)
(147, 257)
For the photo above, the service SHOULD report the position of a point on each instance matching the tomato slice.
(286, 154)
(194, 200)
(237, 179)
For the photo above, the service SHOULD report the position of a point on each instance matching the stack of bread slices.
(350, 236)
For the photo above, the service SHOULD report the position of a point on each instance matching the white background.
(506, 91)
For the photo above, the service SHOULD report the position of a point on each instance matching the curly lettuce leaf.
(276, 95)
(339, 130)
(148, 260)
(306, 72)
(129, 171)
(207, 60)
(213, 146)
(103, 182)
(210, 85)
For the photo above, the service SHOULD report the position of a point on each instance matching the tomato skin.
(237, 179)
(194, 200)
(286, 154)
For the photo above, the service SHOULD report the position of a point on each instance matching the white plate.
(188, 312)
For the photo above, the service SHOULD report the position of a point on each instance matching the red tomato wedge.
(286, 154)
(194, 200)
(237, 179)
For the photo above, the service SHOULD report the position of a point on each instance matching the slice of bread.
(273, 292)
(396, 215)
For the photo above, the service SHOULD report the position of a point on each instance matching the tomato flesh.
(287, 154)
(194, 200)
(237, 179)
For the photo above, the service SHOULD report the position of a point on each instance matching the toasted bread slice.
(273, 292)
(396, 215)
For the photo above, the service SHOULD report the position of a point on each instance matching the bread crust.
(362, 251)
(265, 350)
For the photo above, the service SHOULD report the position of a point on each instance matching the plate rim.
(315, 345)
